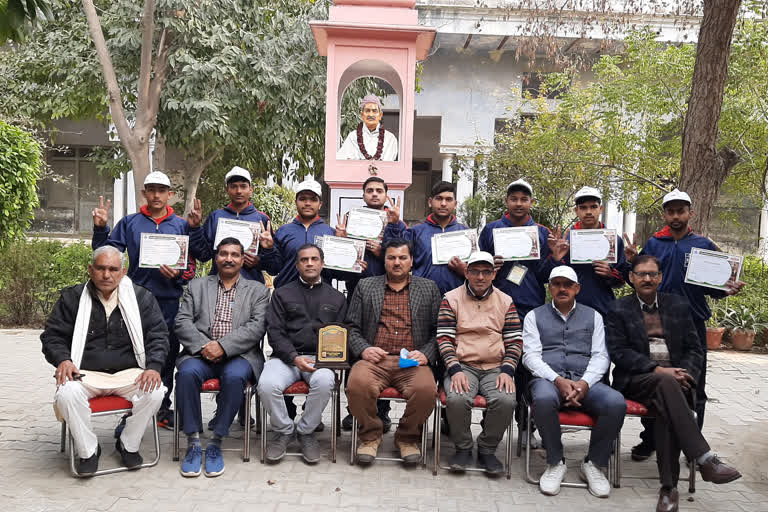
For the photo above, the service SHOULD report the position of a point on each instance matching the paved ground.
(35, 476)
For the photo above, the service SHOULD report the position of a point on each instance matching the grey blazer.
(364, 312)
(193, 322)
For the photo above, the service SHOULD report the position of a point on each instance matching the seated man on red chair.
(653, 343)
(106, 337)
(386, 314)
(220, 325)
(480, 341)
(564, 348)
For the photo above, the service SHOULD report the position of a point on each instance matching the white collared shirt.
(350, 151)
(655, 302)
(532, 349)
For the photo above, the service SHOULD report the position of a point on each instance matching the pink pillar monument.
(369, 38)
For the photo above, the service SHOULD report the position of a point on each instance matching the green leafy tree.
(17, 17)
(20, 167)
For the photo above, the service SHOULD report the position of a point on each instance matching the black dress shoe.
(460, 460)
(131, 460)
(490, 463)
(716, 471)
(668, 500)
(346, 423)
(642, 451)
(90, 465)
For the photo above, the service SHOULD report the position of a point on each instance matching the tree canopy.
(20, 167)
(622, 130)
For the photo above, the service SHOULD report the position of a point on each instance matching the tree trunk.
(703, 168)
(191, 181)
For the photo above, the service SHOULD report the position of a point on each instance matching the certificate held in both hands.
(246, 232)
(156, 250)
(588, 245)
(517, 244)
(713, 269)
(345, 254)
(332, 348)
(454, 243)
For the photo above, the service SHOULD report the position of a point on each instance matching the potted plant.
(715, 330)
(744, 325)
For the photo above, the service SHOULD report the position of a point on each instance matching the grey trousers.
(501, 408)
(276, 377)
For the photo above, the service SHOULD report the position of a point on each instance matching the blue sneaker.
(214, 462)
(192, 461)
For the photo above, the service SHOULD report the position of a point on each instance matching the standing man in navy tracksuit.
(527, 293)
(442, 203)
(165, 283)
(600, 278)
(201, 239)
(672, 247)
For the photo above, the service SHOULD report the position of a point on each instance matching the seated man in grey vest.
(480, 340)
(296, 313)
(564, 348)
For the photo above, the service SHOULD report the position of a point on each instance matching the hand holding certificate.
(454, 243)
(588, 245)
(246, 232)
(713, 269)
(366, 223)
(156, 250)
(516, 244)
(345, 254)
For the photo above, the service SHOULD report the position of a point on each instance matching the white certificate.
(454, 243)
(157, 249)
(247, 232)
(345, 254)
(588, 245)
(713, 269)
(515, 244)
(366, 223)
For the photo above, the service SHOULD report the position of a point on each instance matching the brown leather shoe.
(409, 452)
(716, 471)
(366, 452)
(668, 500)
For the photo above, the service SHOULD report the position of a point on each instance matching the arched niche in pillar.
(369, 68)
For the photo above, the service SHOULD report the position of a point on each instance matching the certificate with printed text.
(516, 244)
(588, 245)
(247, 232)
(713, 269)
(157, 249)
(345, 254)
(454, 243)
(366, 223)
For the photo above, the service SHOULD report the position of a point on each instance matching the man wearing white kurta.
(106, 337)
(379, 144)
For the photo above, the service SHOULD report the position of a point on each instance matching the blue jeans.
(602, 401)
(233, 375)
(169, 308)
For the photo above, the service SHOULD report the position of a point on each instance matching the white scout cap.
(311, 185)
(157, 178)
(564, 271)
(588, 192)
(480, 257)
(522, 184)
(676, 195)
(237, 172)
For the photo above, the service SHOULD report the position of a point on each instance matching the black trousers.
(648, 434)
(675, 428)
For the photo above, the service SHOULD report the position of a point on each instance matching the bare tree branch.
(145, 71)
(113, 88)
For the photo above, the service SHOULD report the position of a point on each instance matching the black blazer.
(627, 339)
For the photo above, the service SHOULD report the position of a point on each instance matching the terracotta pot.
(714, 337)
(742, 340)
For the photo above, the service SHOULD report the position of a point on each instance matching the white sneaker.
(596, 480)
(551, 479)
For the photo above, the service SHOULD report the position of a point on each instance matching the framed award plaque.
(332, 348)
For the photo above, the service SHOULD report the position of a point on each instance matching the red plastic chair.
(107, 406)
(213, 386)
(479, 404)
